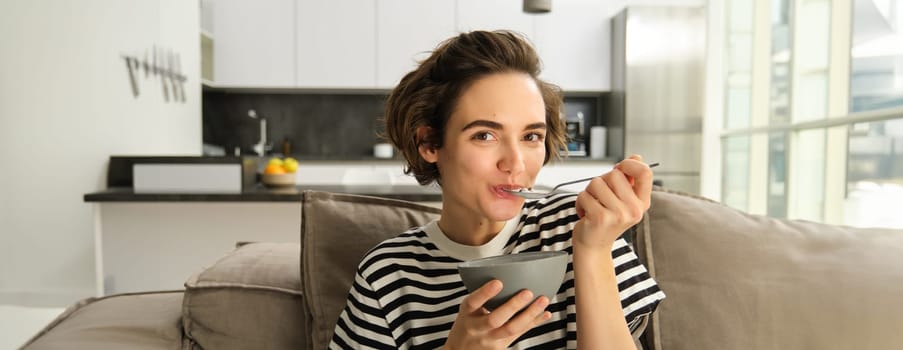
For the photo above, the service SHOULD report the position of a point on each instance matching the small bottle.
(286, 147)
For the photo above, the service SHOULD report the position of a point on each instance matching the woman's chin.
(504, 210)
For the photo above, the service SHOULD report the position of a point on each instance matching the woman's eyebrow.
(536, 126)
(496, 126)
(482, 122)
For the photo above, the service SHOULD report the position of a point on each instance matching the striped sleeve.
(549, 224)
(362, 324)
(639, 293)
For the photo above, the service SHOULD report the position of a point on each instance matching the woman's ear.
(425, 144)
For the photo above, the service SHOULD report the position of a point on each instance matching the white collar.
(465, 252)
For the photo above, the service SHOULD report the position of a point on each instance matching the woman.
(475, 118)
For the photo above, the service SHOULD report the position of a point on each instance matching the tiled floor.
(18, 324)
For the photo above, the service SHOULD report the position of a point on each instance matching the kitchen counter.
(260, 193)
(134, 230)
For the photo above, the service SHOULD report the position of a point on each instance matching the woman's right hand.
(478, 328)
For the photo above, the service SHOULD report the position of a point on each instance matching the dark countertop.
(260, 193)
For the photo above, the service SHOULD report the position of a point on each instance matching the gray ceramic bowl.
(539, 272)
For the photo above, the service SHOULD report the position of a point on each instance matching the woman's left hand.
(612, 203)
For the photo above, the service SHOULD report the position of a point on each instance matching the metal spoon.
(530, 194)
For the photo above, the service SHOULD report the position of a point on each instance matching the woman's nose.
(511, 160)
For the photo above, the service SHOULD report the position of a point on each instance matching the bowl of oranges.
(280, 172)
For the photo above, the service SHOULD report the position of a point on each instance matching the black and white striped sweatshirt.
(407, 290)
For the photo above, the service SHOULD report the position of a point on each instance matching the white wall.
(65, 107)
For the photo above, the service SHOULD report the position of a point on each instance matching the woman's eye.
(534, 137)
(483, 136)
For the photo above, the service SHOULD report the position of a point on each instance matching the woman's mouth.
(502, 190)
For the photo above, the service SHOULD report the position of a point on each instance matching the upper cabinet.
(574, 42)
(336, 44)
(255, 43)
(406, 31)
(372, 44)
(494, 15)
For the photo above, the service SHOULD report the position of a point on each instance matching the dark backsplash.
(329, 126)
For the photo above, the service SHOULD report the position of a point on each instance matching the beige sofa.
(734, 281)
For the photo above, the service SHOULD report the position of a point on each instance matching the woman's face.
(494, 139)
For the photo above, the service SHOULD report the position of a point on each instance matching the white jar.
(597, 139)
(383, 150)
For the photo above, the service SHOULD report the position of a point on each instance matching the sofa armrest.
(249, 299)
(145, 321)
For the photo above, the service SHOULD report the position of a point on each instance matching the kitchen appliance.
(576, 135)
(181, 174)
(657, 89)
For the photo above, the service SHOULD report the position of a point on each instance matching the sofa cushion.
(337, 230)
(740, 281)
(249, 299)
(141, 321)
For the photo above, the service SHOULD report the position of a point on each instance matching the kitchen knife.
(131, 68)
(163, 75)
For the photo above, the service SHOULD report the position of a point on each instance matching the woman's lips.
(500, 190)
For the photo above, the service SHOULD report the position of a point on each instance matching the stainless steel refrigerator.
(657, 81)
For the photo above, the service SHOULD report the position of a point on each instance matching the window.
(813, 110)
(875, 174)
(876, 69)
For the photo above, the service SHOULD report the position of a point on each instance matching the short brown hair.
(427, 96)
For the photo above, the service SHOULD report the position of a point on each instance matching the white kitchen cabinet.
(372, 44)
(336, 44)
(407, 31)
(574, 42)
(144, 246)
(494, 15)
(207, 15)
(255, 43)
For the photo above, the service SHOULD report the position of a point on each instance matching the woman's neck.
(467, 228)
